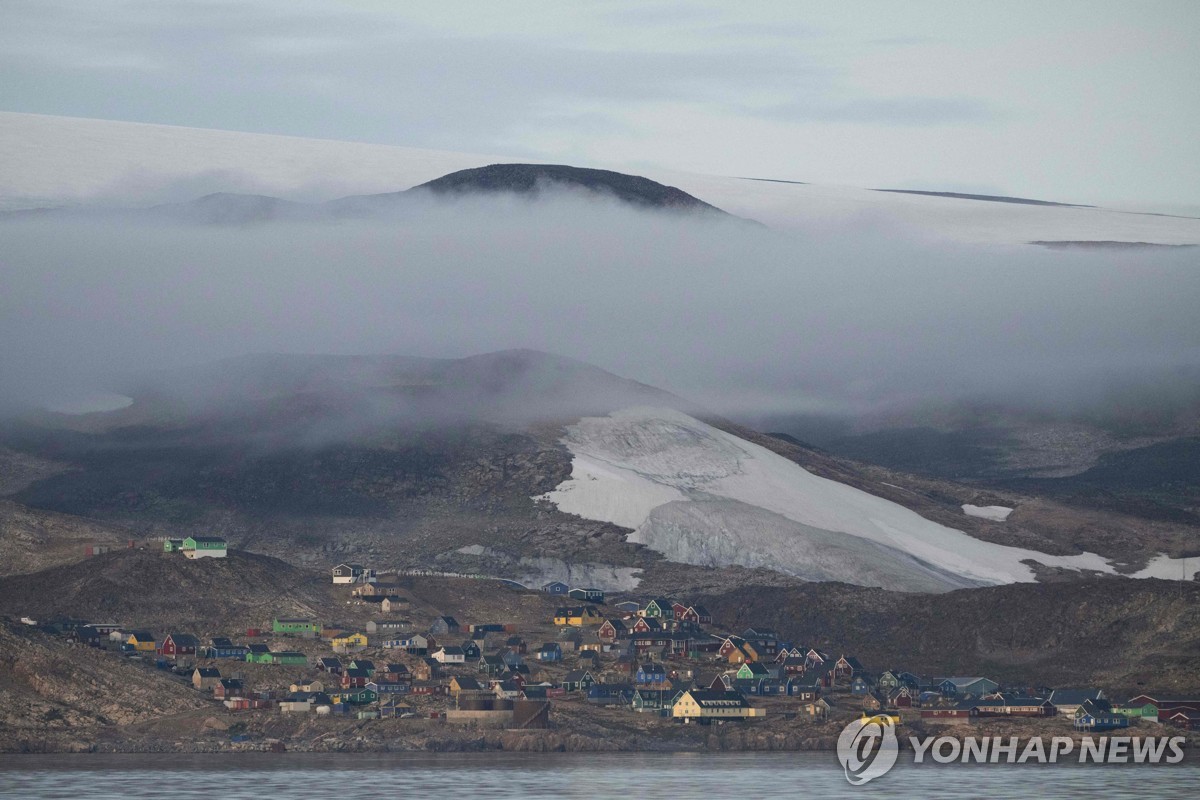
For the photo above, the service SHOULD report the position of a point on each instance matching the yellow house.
(308, 686)
(351, 641)
(578, 616)
(709, 704)
(142, 641)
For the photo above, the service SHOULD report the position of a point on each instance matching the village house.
(492, 665)
(627, 608)
(295, 627)
(350, 643)
(650, 672)
(578, 680)
(444, 625)
(611, 630)
(355, 678)
(450, 655)
(550, 651)
(957, 713)
(658, 608)
(1068, 700)
(353, 573)
(578, 616)
(283, 657)
(205, 678)
(471, 651)
(179, 644)
(555, 587)
(392, 603)
(226, 688)
(388, 625)
(141, 641)
(586, 595)
(221, 647)
(204, 547)
(1096, 714)
(705, 705)
(463, 683)
(310, 686)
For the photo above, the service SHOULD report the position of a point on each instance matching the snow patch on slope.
(994, 513)
(641, 467)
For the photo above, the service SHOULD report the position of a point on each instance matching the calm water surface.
(558, 775)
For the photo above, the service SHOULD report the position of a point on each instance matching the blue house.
(550, 651)
(224, 648)
(587, 595)
(862, 684)
(608, 694)
(555, 587)
(1097, 715)
(650, 672)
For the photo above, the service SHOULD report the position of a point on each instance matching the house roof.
(467, 682)
(222, 642)
(576, 675)
(141, 636)
(714, 698)
(184, 640)
(208, 672)
(207, 539)
(452, 651)
(1071, 697)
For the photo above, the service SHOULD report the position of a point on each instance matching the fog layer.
(745, 320)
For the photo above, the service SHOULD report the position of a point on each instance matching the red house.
(179, 644)
(355, 678)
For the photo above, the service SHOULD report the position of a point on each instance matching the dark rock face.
(532, 178)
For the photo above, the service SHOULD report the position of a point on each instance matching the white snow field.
(994, 513)
(54, 161)
(699, 495)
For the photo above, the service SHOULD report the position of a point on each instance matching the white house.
(450, 655)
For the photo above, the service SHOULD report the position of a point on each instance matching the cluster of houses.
(659, 657)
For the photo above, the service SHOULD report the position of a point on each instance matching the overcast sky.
(1092, 102)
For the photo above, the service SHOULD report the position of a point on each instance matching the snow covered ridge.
(54, 161)
(699, 495)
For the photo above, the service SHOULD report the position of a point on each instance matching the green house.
(1148, 711)
(300, 626)
(172, 545)
(659, 608)
(205, 547)
(288, 657)
(654, 699)
(360, 697)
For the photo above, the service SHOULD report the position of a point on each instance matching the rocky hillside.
(529, 179)
(167, 591)
(1118, 633)
(52, 691)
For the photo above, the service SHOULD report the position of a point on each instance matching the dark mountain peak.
(530, 179)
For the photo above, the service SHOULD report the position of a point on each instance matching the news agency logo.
(867, 748)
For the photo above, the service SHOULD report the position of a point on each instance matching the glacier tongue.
(700, 495)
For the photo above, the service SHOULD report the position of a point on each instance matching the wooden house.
(226, 688)
(450, 655)
(355, 678)
(1098, 715)
(578, 616)
(901, 697)
(550, 651)
(443, 626)
(706, 705)
(463, 683)
(204, 547)
(659, 608)
(628, 608)
(1184, 718)
(141, 640)
(578, 680)
(805, 689)
(350, 643)
(492, 665)
(175, 645)
(956, 713)
(384, 626)
(295, 626)
(221, 647)
(205, 678)
(612, 629)
(586, 595)
(392, 603)
(650, 672)
(555, 587)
